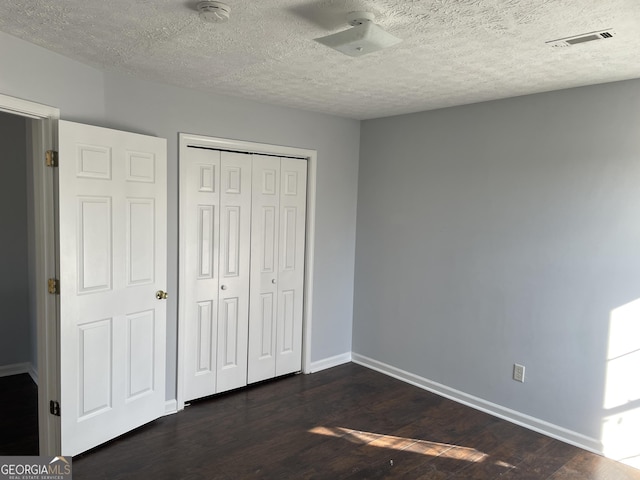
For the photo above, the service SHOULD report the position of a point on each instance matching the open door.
(112, 231)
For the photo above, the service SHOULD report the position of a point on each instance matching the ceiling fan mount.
(359, 18)
(363, 37)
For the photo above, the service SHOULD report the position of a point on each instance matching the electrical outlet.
(518, 372)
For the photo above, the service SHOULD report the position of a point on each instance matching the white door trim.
(186, 140)
(43, 137)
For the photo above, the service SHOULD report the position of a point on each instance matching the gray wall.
(503, 232)
(87, 95)
(38, 75)
(15, 346)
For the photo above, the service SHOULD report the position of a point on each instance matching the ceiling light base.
(358, 18)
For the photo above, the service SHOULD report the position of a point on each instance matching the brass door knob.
(161, 295)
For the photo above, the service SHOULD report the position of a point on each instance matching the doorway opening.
(18, 327)
(33, 326)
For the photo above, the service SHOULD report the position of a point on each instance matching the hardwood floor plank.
(543, 462)
(504, 445)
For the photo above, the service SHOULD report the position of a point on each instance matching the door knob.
(160, 295)
(273, 280)
(223, 287)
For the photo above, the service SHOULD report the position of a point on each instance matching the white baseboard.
(170, 407)
(33, 373)
(532, 423)
(330, 362)
(14, 369)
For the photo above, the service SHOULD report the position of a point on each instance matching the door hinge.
(51, 158)
(54, 408)
(54, 287)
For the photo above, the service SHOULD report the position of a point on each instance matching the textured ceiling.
(454, 51)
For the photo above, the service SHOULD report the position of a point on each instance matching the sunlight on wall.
(621, 422)
(423, 447)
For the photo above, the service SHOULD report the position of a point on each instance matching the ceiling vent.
(582, 38)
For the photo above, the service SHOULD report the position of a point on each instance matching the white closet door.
(200, 190)
(265, 232)
(235, 249)
(277, 266)
(293, 198)
(244, 222)
(112, 217)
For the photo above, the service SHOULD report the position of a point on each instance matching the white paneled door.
(233, 298)
(293, 198)
(200, 217)
(216, 189)
(243, 230)
(277, 266)
(264, 268)
(112, 217)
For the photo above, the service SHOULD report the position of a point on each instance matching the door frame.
(311, 156)
(43, 130)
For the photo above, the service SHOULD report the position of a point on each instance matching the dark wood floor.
(18, 415)
(344, 423)
(347, 422)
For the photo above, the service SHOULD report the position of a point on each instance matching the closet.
(244, 229)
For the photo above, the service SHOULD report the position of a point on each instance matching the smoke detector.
(364, 36)
(214, 12)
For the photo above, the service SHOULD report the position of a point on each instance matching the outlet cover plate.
(518, 372)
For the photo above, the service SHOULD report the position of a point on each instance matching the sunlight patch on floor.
(423, 447)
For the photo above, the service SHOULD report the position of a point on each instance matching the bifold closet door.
(277, 266)
(265, 211)
(200, 291)
(217, 225)
(293, 209)
(235, 245)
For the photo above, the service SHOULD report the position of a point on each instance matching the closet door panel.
(293, 198)
(202, 223)
(265, 234)
(234, 269)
